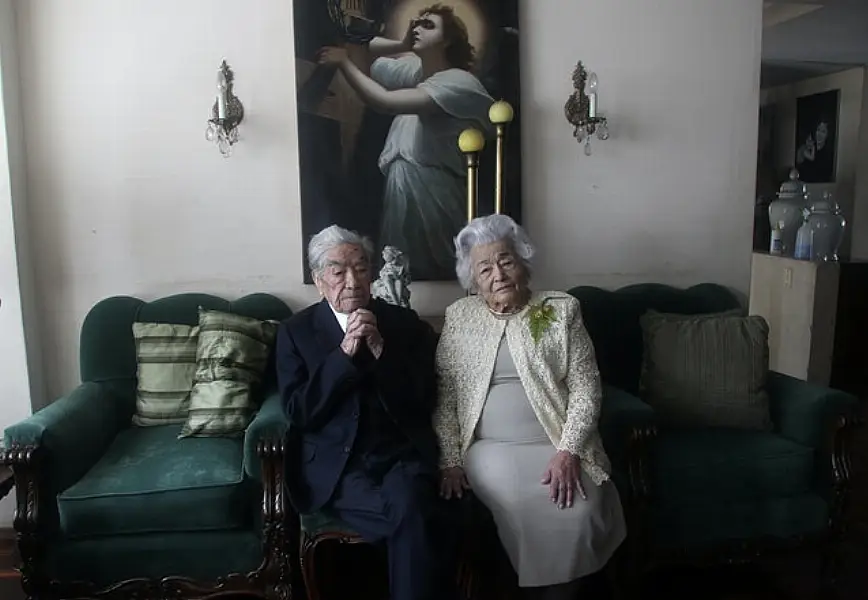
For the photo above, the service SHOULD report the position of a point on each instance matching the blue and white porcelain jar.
(827, 224)
(792, 200)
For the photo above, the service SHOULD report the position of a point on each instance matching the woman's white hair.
(331, 237)
(487, 230)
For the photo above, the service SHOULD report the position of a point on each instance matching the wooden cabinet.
(818, 318)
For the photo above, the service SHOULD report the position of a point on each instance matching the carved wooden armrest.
(838, 449)
(278, 538)
(639, 457)
(25, 462)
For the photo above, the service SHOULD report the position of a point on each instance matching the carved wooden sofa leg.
(830, 553)
(24, 462)
(307, 554)
(635, 559)
(276, 530)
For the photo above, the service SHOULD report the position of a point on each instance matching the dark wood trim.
(8, 554)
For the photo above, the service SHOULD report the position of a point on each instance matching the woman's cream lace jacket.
(559, 374)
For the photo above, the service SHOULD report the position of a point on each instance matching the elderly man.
(358, 384)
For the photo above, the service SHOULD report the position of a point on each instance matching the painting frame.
(346, 178)
(816, 139)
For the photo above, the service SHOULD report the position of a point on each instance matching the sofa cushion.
(612, 320)
(149, 482)
(166, 363)
(707, 370)
(231, 358)
(728, 465)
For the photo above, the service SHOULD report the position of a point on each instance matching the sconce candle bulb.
(591, 91)
(221, 94)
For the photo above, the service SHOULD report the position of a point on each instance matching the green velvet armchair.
(718, 493)
(107, 509)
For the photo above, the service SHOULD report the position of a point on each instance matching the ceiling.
(807, 39)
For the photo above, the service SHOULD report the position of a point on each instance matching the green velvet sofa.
(105, 505)
(716, 493)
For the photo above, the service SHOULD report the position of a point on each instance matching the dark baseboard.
(8, 554)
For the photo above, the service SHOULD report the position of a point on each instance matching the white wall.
(15, 283)
(850, 121)
(128, 198)
(670, 196)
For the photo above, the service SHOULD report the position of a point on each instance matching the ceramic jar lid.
(793, 188)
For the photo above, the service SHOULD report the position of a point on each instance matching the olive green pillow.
(707, 370)
(231, 358)
(165, 365)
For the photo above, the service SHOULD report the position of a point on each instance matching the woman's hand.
(563, 476)
(332, 55)
(453, 482)
(409, 36)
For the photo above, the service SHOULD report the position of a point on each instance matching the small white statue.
(393, 285)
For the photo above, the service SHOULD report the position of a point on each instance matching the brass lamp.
(471, 142)
(501, 114)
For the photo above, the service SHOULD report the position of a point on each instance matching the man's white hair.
(331, 237)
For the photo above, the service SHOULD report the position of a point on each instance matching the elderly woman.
(519, 400)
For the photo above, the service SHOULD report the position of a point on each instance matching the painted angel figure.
(426, 82)
(393, 285)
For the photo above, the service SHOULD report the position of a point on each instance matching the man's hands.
(563, 476)
(362, 330)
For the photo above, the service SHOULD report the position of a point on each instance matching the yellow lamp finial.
(501, 112)
(471, 140)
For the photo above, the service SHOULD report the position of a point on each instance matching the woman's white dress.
(505, 466)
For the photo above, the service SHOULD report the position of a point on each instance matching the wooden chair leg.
(307, 554)
(830, 569)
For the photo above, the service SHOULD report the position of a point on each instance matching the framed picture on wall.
(817, 136)
(384, 89)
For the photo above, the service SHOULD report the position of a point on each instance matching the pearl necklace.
(503, 315)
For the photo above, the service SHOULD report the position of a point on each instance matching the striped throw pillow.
(231, 359)
(166, 363)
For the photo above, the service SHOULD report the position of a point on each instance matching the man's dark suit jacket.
(322, 393)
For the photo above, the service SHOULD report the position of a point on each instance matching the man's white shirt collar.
(341, 317)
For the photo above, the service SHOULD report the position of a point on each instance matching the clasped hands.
(562, 475)
(362, 330)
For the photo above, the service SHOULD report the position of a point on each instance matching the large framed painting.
(817, 136)
(384, 89)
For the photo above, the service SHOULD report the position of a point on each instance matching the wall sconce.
(226, 113)
(581, 109)
(471, 142)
